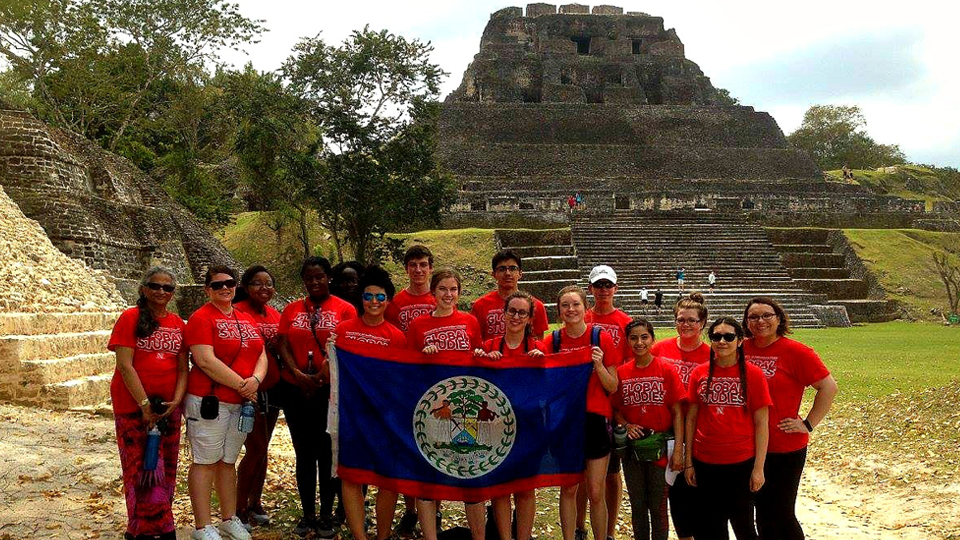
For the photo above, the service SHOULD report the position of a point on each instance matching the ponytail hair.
(146, 323)
(694, 300)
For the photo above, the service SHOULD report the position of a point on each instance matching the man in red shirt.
(416, 299)
(488, 309)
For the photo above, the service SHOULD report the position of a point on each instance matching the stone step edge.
(29, 324)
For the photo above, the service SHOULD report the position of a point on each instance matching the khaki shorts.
(214, 440)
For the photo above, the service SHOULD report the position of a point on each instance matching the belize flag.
(453, 427)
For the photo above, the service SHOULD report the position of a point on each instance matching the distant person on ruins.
(681, 274)
(790, 367)
(712, 280)
(229, 363)
(658, 299)
(579, 199)
(685, 352)
(644, 299)
(256, 290)
(572, 202)
(488, 309)
(603, 287)
(847, 173)
(147, 390)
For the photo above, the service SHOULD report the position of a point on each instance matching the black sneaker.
(339, 516)
(580, 534)
(325, 527)
(305, 526)
(439, 521)
(408, 524)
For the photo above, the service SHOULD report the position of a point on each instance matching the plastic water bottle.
(247, 410)
(620, 440)
(152, 453)
(311, 367)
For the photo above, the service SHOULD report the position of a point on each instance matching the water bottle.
(311, 368)
(620, 440)
(247, 411)
(152, 453)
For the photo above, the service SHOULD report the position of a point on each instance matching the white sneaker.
(233, 528)
(207, 533)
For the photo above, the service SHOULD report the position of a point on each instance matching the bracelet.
(258, 379)
(807, 424)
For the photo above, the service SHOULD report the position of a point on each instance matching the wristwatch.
(807, 424)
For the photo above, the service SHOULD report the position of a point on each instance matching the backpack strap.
(556, 341)
(595, 336)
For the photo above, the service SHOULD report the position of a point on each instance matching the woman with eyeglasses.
(305, 325)
(229, 363)
(364, 335)
(253, 296)
(685, 352)
(603, 287)
(726, 434)
(790, 367)
(517, 343)
(147, 388)
(446, 329)
(577, 334)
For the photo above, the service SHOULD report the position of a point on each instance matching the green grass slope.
(902, 261)
(909, 181)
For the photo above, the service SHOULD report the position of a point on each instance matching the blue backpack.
(594, 338)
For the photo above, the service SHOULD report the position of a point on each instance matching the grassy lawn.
(901, 259)
(908, 181)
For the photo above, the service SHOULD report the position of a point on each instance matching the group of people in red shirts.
(715, 429)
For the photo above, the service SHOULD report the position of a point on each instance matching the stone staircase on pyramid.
(646, 248)
(56, 360)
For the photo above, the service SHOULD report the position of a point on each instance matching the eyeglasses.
(369, 296)
(729, 337)
(767, 317)
(518, 313)
(504, 268)
(603, 285)
(262, 285)
(159, 286)
(228, 283)
(691, 321)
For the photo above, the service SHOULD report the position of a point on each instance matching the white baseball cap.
(603, 272)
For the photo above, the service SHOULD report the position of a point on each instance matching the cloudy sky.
(896, 60)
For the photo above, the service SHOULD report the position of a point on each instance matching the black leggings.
(725, 492)
(307, 419)
(777, 499)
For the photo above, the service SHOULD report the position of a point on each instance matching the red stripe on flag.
(573, 357)
(423, 490)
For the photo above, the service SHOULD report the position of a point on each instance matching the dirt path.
(60, 478)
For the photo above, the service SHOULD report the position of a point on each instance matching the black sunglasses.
(228, 283)
(729, 337)
(159, 286)
(604, 285)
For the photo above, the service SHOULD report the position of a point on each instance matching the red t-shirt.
(790, 367)
(494, 344)
(357, 336)
(645, 396)
(671, 353)
(267, 325)
(236, 342)
(724, 431)
(406, 307)
(154, 358)
(616, 323)
(305, 336)
(456, 332)
(488, 309)
(598, 401)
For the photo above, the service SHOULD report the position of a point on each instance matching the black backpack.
(594, 338)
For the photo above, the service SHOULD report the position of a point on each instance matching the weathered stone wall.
(98, 207)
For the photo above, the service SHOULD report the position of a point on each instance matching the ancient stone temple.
(605, 104)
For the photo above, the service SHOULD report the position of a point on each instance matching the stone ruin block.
(624, 95)
(574, 9)
(667, 48)
(607, 10)
(536, 10)
(562, 93)
(507, 13)
(637, 14)
(556, 45)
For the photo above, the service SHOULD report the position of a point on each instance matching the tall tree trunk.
(304, 231)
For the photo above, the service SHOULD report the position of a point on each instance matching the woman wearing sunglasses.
(685, 352)
(790, 367)
(146, 391)
(253, 296)
(517, 343)
(305, 325)
(446, 329)
(229, 363)
(726, 434)
(364, 335)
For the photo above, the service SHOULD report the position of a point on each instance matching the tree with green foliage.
(725, 99)
(835, 136)
(374, 98)
(275, 143)
(950, 276)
